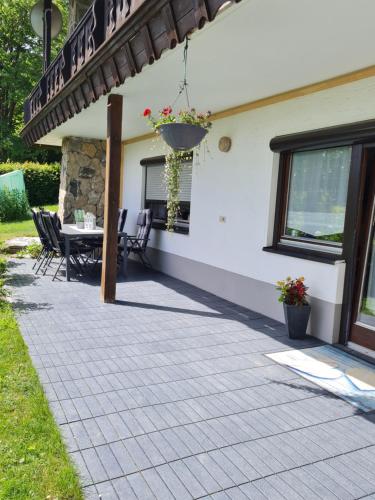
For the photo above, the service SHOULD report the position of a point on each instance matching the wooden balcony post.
(111, 197)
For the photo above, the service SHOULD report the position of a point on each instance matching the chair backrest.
(144, 224)
(54, 215)
(53, 232)
(122, 214)
(39, 227)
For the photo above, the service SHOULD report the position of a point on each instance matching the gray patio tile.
(94, 465)
(165, 448)
(220, 476)
(239, 461)
(283, 488)
(252, 492)
(90, 493)
(318, 489)
(169, 405)
(109, 461)
(93, 430)
(138, 455)
(140, 487)
(107, 491)
(188, 479)
(157, 485)
(230, 469)
(123, 458)
(107, 428)
(84, 474)
(150, 450)
(80, 434)
(173, 483)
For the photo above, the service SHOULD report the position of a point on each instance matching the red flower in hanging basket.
(166, 111)
(147, 112)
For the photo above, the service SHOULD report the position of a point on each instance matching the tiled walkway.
(167, 394)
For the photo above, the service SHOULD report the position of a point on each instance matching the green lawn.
(33, 461)
(9, 230)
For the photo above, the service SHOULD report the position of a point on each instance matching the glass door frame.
(360, 333)
(356, 226)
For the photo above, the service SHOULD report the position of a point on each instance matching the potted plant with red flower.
(293, 295)
(182, 131)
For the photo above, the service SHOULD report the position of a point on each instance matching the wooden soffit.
(152, 27)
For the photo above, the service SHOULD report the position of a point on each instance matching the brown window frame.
(354, 135)
(161, 224)
(283, 193)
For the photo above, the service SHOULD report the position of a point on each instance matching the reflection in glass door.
(366, 310)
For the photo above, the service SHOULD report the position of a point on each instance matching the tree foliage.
(21, 66)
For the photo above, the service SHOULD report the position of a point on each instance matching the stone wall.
(82, 178)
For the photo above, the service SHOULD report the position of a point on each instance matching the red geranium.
(147, 112)
(166, 111)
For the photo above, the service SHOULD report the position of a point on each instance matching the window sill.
(178, 228)
(307, 254)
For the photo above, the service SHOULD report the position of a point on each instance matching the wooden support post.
(111, 197)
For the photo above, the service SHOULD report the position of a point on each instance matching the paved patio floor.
(167, 394)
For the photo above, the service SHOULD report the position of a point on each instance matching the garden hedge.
(41, 180)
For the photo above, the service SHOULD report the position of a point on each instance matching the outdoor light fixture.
(37, 20)
(46, 21)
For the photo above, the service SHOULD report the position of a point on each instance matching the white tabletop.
(73, 230)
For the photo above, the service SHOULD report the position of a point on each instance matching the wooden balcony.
(114, 40)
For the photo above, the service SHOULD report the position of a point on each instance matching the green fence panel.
(13, 181)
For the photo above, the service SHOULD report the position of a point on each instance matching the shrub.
(32, 251)
(41, 180)
(3, 290)
(13, 205)
(3, 266)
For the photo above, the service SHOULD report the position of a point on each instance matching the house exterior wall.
(227, 258)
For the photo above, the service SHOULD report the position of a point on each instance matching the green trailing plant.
(172, 173)
(174, 159)
(42, 181)
(14, 205)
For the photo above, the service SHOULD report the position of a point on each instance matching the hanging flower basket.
(182, 136)
(182, 131)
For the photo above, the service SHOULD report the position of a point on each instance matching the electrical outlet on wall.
(222, 218)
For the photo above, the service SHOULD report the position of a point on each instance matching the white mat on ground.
(336, 371)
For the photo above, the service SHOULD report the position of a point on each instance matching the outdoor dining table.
(71, 232)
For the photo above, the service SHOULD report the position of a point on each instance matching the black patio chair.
(58, 246)
(44, 240)
(98, 243)
(138, 244)
(122, 215)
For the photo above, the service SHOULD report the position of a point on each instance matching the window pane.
(317, 194)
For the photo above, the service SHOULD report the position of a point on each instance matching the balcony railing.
(100, 22)
(129, 34)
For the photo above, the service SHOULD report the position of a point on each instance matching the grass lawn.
(9, 230)
(33, 461)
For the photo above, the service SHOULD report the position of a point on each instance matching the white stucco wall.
(241, 185)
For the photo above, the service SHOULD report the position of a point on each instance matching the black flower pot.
(296, 319)
(182, 136)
